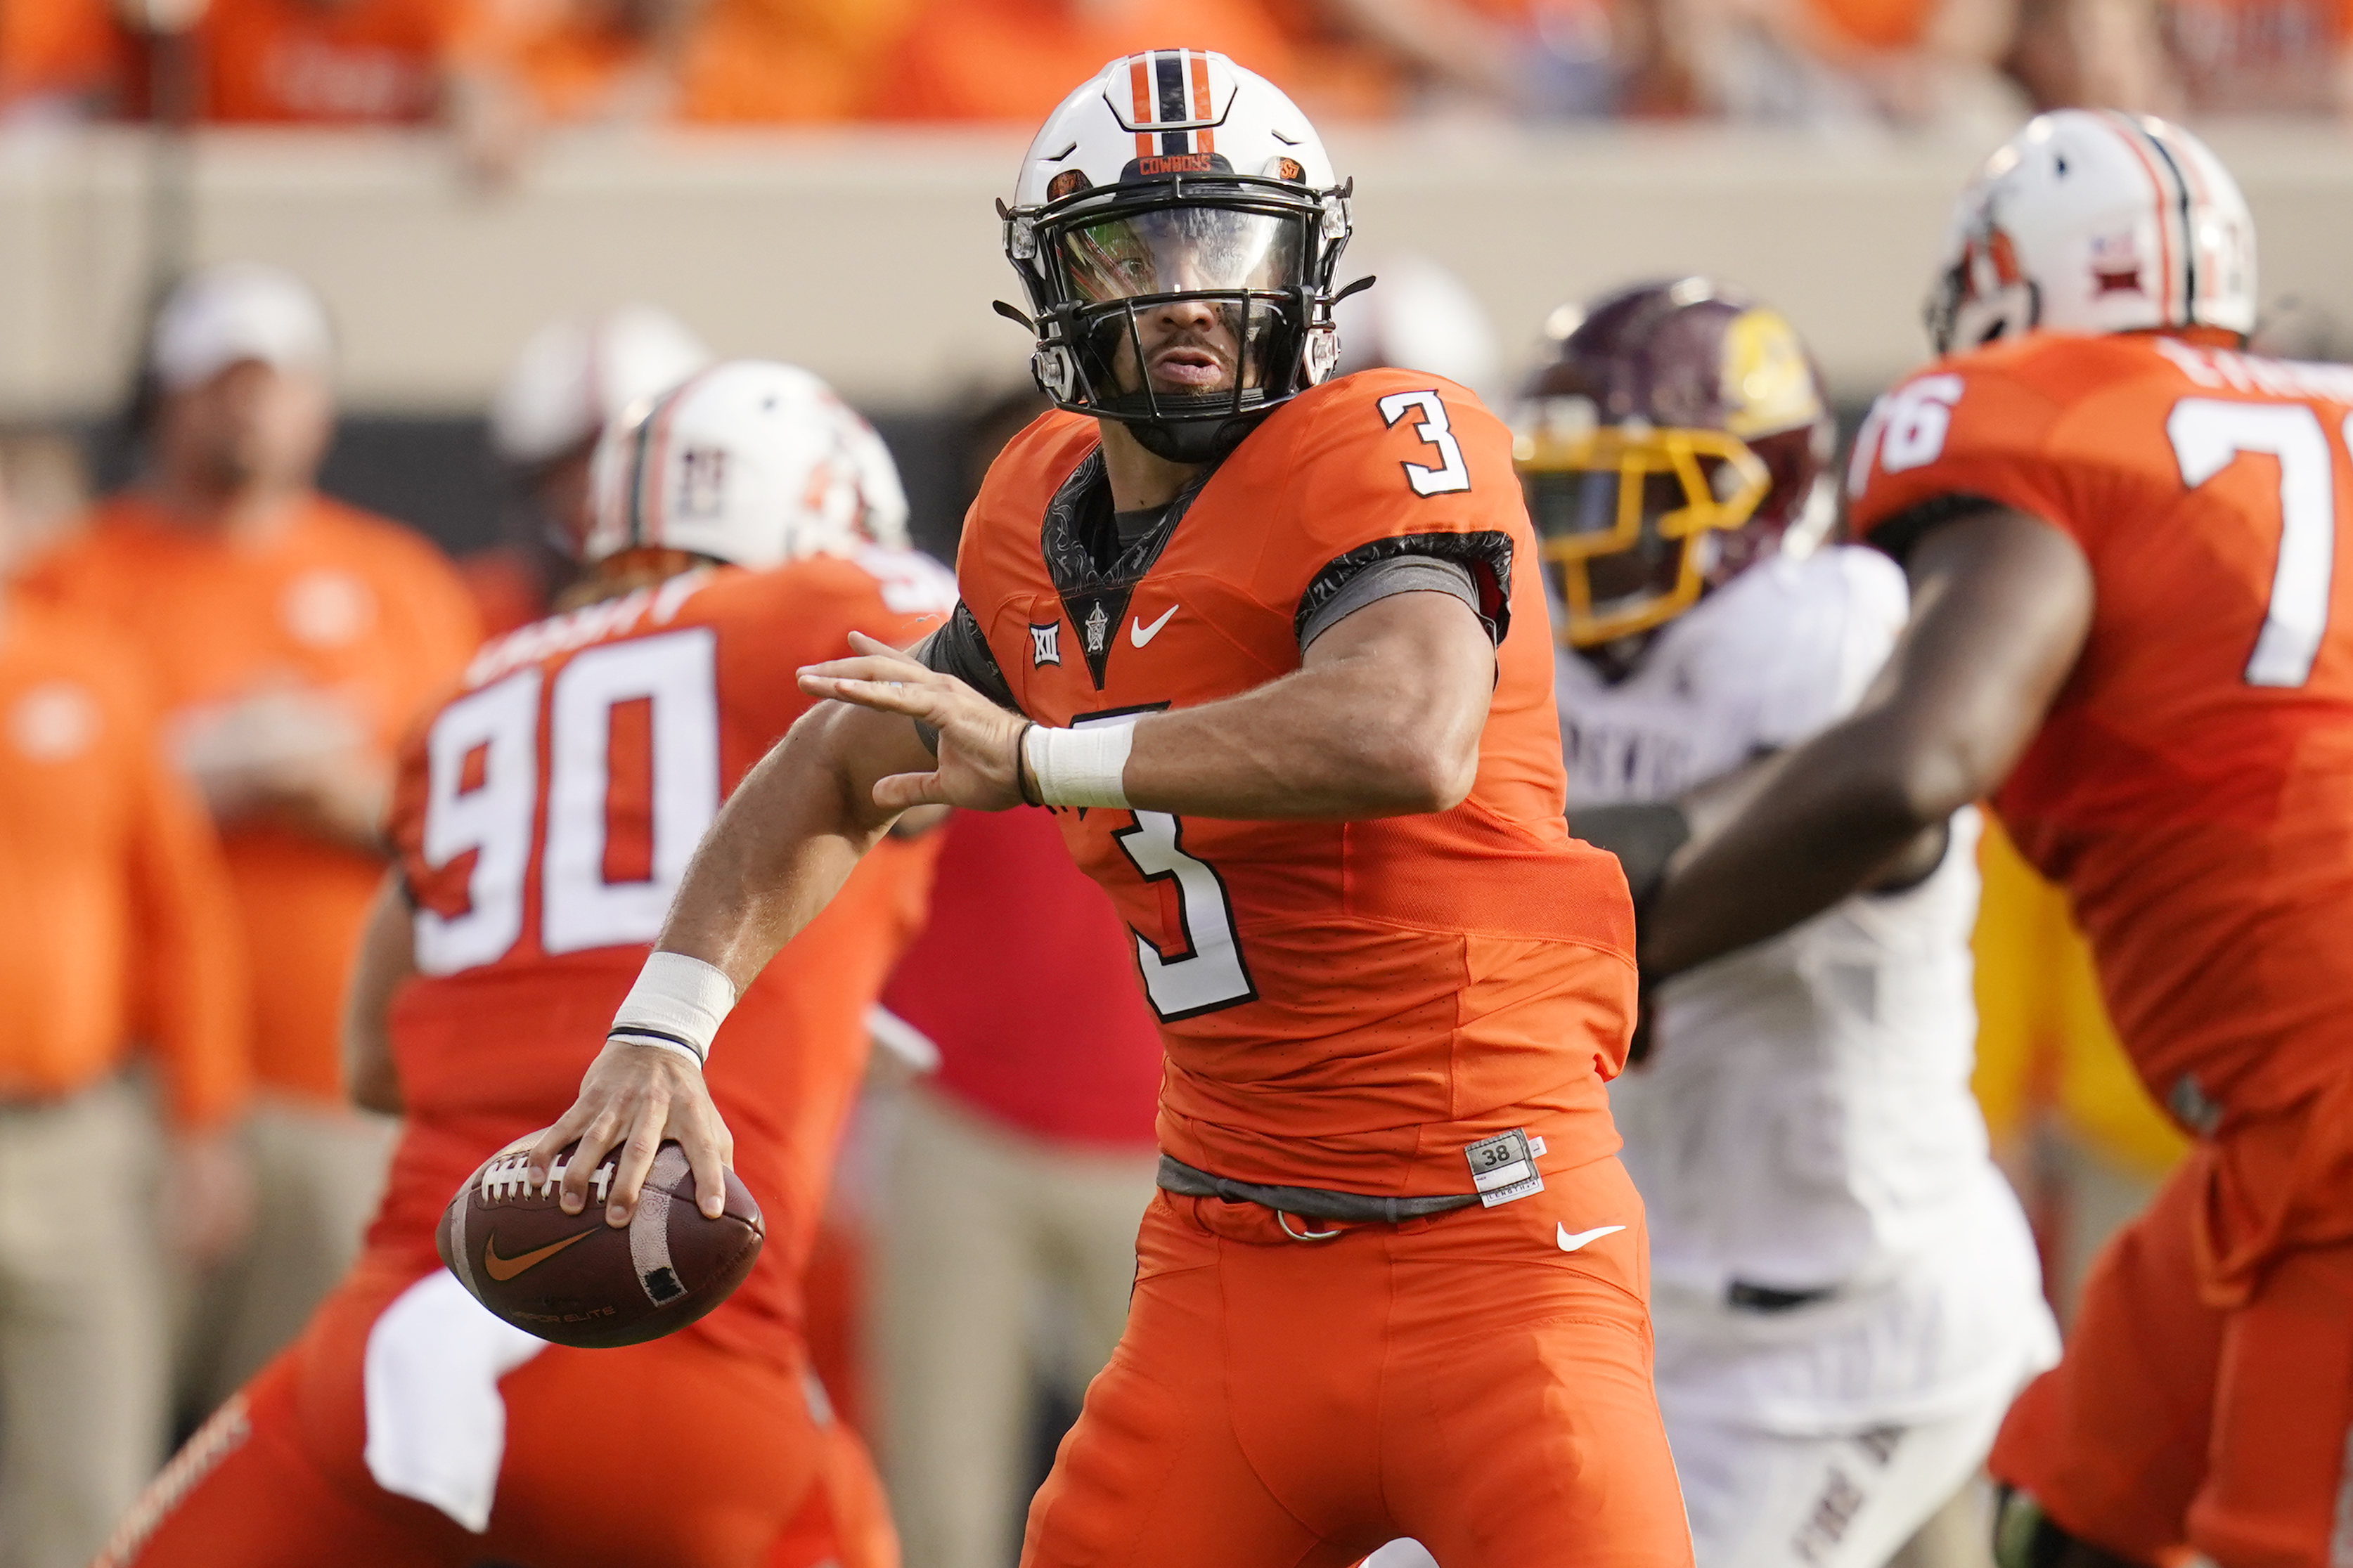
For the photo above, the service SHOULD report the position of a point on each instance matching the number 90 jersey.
(2192, 786)
(543, 817)
(1345, 1005)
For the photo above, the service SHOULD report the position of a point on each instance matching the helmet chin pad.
(1194, 441)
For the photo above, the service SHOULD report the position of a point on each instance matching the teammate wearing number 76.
(2131, 626)
(1274, 648)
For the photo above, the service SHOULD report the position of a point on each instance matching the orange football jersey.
(2192, 786)
(543, 819)
(1345, 1005)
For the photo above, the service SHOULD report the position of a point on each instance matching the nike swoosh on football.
(1571, 1243)
(1140, 634)
(503, 1268)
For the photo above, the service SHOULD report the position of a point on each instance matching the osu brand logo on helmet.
(1677, 435)
(2094, 221)
(1175, 225)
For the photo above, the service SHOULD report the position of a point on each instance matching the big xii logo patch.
(1045, 643)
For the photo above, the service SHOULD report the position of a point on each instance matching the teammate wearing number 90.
(1274, 647)
(2128, 545)
(542, 815)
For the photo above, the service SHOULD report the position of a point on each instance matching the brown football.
(576, 1281)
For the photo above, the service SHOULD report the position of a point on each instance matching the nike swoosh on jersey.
(1140, 634)
(1571, 1243)
(503, 1268)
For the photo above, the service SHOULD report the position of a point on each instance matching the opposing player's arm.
(780, 849)
(1382, 719)
(2001, 604)
(387, 960)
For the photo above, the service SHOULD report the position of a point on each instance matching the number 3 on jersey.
(483, 790)
(1451, 473)
(1210, 972)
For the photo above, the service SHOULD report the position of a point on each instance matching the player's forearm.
(1384, 720)
(386, 961)
(1321, 744)
(1830, 815)
(782, 847)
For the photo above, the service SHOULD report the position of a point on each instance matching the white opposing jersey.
(1804, 1122)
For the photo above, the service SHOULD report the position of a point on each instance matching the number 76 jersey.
(2192, 786)
(1345, 1005)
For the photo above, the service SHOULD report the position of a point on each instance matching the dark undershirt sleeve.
(1898, 535)
(1397, 575)
(959, 650)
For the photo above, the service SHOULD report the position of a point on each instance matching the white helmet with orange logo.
(2094, 221)
(750, 462)
(1176, 174)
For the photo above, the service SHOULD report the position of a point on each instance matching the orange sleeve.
(191, 976)
(1965, 430)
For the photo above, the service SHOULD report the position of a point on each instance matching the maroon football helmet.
(1676, 436)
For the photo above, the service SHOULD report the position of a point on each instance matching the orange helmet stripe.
(1205, 140)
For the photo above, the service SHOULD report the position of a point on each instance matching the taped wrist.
(677, 1005)
(1644, 837)
(1086, 766)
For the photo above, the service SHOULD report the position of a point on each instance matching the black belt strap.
(1307, 1202)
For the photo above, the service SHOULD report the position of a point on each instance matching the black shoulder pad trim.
(1899, 534)
(960, 649)
(1486, 555)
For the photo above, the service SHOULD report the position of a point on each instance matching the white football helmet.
(574, 376)
(2095, 221)
(1175, 174)
(750, 462)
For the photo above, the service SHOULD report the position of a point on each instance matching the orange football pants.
(1464, 1380)
(672, 1454)
(2178, 1421)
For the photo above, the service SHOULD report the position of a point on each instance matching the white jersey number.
(579, 907)
(1210, 972)
(2209, 435)
(1451, 473)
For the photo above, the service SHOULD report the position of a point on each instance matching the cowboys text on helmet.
(1175, 225)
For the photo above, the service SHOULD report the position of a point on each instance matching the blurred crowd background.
(310, 311)
(493, 71)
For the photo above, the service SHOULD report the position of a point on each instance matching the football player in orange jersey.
(542, 815)
(2129, 611)
(1273, 646)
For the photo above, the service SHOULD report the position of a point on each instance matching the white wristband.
(1086, 766)
(677, 1005)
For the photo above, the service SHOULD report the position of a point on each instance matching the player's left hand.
(980, 743)
(636, 1096)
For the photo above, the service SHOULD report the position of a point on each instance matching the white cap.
(235, 310)
(1418, 316)
(577, 375)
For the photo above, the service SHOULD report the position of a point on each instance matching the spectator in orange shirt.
(117, 929)
(290, 639)
(524, 65)
(61, 59)
(325, 62)
(1015, 59)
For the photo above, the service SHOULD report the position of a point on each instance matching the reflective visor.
(1187, 250)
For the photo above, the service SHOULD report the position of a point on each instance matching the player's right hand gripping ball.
(576, 1281)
